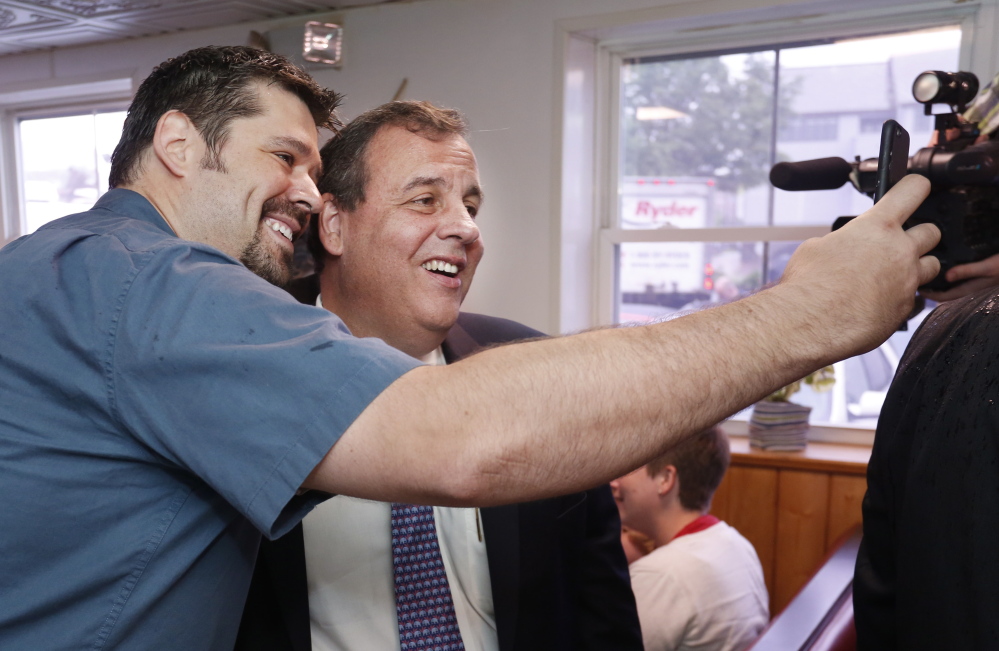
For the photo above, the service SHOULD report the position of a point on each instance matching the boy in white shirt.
(702, 586)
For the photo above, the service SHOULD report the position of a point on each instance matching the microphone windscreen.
(818, 174)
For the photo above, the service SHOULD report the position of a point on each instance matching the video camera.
(964, 176)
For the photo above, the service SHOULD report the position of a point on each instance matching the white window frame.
(28, 102)
(586, 117)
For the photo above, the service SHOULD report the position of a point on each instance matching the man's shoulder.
(122, 223)
(99, 247)
(968, 314)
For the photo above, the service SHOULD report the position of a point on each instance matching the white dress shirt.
(348, 559)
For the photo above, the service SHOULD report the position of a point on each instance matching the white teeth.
(278, 227)
(440, 265)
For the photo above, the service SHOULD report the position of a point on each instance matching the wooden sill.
(817, 456)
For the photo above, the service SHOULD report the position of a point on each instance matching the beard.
(261, 258)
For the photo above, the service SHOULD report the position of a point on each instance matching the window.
(800, 128)
(696, 222)
(871, 123)
(64, 163)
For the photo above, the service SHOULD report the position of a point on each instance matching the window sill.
(818, 433)
(846, 457)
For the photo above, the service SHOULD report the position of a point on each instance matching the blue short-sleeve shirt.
(160, 406)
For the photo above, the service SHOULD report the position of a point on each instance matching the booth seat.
(820, 617)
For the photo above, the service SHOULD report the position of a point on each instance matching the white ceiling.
(27, 25)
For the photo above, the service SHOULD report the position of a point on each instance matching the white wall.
(497, 60)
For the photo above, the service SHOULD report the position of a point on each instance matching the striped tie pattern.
(427, 621)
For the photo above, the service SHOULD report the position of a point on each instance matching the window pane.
(837, 109)
(666, 203)
(661, 278)
(65, 163)
(697, 123)
(708, 121)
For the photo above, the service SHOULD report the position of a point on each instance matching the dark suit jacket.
(559, 576)
(927, 572)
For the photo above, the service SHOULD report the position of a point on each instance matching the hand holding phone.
(893, 159)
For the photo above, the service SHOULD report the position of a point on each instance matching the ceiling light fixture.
(322, 43)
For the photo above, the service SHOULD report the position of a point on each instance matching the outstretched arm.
(564, 414)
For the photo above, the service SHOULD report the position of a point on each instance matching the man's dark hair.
(212, 86)
(701, 462)
(345, 173)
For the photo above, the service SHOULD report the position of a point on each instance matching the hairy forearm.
(553, 416)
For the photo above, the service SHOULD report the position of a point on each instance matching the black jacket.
(927, 572)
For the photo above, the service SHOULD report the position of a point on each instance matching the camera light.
(936, 87)
(926, 87)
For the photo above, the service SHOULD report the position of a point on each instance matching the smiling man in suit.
(396, 247)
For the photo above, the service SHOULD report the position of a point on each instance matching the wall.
(498, 60)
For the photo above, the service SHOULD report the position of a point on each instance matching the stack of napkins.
(779, 426)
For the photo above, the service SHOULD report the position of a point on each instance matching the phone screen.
(893, 160)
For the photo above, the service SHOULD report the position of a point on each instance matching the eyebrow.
(474, 191)
(298, 147)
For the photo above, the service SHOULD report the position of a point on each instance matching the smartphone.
(893, 160)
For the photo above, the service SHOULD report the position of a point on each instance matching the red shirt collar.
(700, 524)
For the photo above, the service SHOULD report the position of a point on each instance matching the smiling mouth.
(292, 215)
(441, 267)
(279, 227)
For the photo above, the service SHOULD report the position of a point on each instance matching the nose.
(304, 192)
(458, 223)
(615, 486)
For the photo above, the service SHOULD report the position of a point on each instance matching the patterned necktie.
(422, 596)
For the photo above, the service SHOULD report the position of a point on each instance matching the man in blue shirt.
(143, 416)
(147, 377)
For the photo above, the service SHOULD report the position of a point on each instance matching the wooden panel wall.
(792, 507)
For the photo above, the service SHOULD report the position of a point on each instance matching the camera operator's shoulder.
(953, 325)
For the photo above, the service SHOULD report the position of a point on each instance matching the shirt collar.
(134, 205)
(700, 524)
(433, 358)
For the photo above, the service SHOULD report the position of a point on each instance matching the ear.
(177, 143)
(667, 480)
(330, 224)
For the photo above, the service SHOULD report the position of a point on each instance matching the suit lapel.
(459, 343)
(500, 524)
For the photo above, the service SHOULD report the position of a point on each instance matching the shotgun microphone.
(818, 174)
